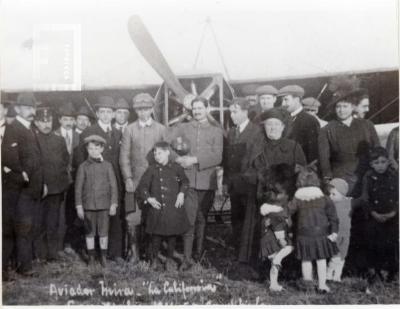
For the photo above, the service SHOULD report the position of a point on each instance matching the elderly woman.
(277, 148)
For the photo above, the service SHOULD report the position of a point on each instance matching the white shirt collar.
(243, 125)
(121, 126)
(105, 127)
(65, 132)
(146, 123)
(79, 131)
(297, 111)
(348, 121)
(24, 122)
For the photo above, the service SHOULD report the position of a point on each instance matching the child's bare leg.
(321, 270)
(284, 252)
(306, 270)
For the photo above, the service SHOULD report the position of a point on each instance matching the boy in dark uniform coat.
(105, 113)
(237, 146)
(304, 128)
(55, 162)
(32, 188)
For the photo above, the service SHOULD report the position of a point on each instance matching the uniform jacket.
(343, 150)
(111, 149)
(96, 185)
(164, 183)
(29, 158)
(136, 144)
(206, 143)
(10, 160)
(55, 162)
(305, 130)
(236, 156)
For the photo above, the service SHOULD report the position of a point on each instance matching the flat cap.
(311, 103)
(293, 90)
(266, 89)
(94, 138)
(67, 110)
(275, 112)
(242, 102)
(122, 104)
(106, 102)
(44, 114)
(143, 100)
(26, 99)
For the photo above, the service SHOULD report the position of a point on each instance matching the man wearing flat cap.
(55, 163)
(304, 127)
(138, 141)
(82, 119)
(267, 96)
(249, 93)
(237, 148)
(122, 112)
(105, 112)
(311, 105)
(23, 160)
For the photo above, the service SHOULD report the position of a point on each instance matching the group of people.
(295, 182)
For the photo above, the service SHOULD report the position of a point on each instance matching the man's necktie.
(68, 142)
(237, 134)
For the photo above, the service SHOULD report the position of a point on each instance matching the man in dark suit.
(22, 152)
(68, 231)
(237, 147)
(304, 127)
(55, 160)
(105, 113)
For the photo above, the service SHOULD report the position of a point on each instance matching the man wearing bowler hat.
(55, 158)
(82, 119)
(28, 180)
(138, 141)
(237, 148)
(105, 112)
(304, 127)
(122, 112)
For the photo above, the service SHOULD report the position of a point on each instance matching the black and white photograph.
(187, 152)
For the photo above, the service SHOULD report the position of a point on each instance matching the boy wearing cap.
(29, 184)
(105, 108)
(304, 127)
(121, 115)
(55, 160)
(96, 195)
(138, 141)
(311, 106)
(237, 146)
(267, 96)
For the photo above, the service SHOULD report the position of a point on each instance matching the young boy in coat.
(162, 188)
(96, 195)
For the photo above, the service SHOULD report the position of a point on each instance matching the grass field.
(70, 281)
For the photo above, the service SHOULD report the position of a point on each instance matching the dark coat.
(29, 159)
(75, 143)
(236, 156)
(55, 160)
(111, 149)
(343, 150)
(164, 183)
(96, 185)
(10, 159)
(305, 130)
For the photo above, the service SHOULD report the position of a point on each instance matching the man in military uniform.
(238, 144)
(55, 163)
(20, 142)
(138, 141)
(311, 105)
(304, 127)
(121, 115)
(205, 154)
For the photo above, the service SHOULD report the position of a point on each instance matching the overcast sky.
(258, 39)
